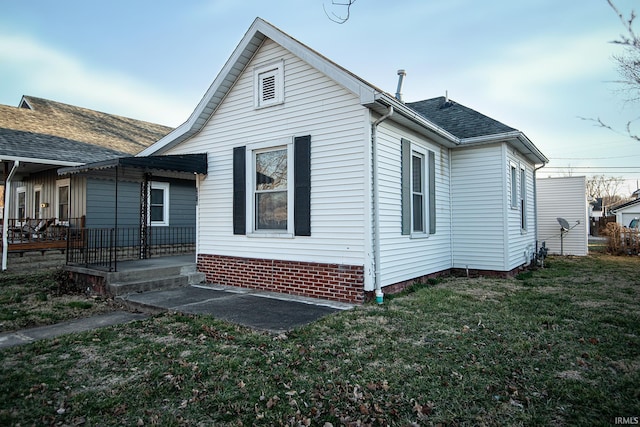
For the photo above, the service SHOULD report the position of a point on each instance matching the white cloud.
(33, 68)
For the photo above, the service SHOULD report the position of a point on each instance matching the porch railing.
(34, 234)
(105, 247)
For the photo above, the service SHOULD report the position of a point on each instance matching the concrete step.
(145, 273)
(150, 284)
(155, 279)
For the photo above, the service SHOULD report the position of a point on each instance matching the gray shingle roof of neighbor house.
(29, 145)
(48, 130)
(461, 121)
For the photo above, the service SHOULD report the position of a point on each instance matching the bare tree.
(344, 17)
(628, 65)
(605, 187)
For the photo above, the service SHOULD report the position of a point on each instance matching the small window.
(159, 203)
(269, 85)
(62, 201)
(21, 203)
(37, 200)
(514, 187)
(523, 199)
(271, 190)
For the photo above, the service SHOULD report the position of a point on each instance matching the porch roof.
(177, 163)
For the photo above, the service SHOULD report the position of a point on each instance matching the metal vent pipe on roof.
(401, 76)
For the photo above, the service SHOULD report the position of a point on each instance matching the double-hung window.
(418, 190)
(272, 188)
(271, 195)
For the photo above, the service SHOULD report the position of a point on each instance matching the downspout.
(5, 222)
(376, 202)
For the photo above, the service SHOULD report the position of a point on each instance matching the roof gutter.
(5, 223)
(39, 161)
(453, 141)
(508, 136)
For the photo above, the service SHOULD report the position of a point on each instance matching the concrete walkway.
(27, 336)
(264, 311)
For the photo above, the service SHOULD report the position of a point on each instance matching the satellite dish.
(564, 224)
(564, 228)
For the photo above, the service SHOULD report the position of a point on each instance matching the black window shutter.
(239, 191)
(302, 186)
(406, 186)
(432, 192)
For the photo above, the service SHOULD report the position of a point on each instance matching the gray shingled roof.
(461, 121)
(16, 143)
(52, 130)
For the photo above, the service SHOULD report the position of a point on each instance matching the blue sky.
(536, 65)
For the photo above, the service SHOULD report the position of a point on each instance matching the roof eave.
(38, 161)
(410, 118)
(237, 63)
(516, 138)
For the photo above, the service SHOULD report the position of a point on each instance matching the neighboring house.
(321, 184)
(563, 197)
(596, 208)
(40, 136)
(626, 212)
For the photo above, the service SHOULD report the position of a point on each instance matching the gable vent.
(268, 87)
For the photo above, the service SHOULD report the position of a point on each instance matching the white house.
(626, 212)
(321, 184)
(563, 197)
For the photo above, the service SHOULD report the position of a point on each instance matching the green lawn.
(558, 346)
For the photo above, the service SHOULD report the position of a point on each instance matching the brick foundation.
(401, 286)
(318, 280)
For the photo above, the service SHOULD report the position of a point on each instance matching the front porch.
(133, 276)
(103, 249)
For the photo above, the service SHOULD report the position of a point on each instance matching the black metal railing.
(105, 247)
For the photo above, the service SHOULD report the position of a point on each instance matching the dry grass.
(557, 346)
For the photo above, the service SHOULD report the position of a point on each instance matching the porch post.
(5, 216)
(144, 212)
(115, 228)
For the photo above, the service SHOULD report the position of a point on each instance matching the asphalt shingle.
(460, 121)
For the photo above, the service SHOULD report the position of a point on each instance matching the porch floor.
(153, 263)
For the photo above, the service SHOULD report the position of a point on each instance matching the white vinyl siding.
(478, 210)
(317, 106)
(487, 227)
(520, 242)
(401, 256)
(563, 197)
